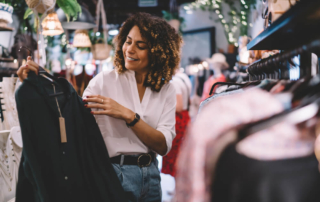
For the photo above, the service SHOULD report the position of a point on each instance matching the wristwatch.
(136, 119)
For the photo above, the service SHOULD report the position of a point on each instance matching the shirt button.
(63, 152)
(66, 177)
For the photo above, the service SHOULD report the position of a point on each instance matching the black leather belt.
(143, 160)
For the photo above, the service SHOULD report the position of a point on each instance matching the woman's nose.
(130, 48)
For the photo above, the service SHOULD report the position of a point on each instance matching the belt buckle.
(138, 162)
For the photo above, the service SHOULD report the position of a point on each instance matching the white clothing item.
(182, 88)
(10, 112)
(13, 200)
(10, 155)
(157, 109)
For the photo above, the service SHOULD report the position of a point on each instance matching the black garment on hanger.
(242, 179)
(50, 171)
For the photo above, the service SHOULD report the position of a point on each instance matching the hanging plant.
(71, 8)
(237, 19)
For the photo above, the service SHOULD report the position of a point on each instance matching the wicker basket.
(101, 51)
(41, 5)
(81, 39)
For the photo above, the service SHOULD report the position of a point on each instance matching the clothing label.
(63, 133)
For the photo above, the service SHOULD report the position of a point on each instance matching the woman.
(134, 104)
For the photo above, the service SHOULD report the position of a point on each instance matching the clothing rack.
(278, 66)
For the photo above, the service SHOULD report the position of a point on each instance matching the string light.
(216, 6)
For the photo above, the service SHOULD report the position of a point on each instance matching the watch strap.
(136, 119)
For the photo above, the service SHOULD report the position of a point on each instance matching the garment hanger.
(42, 72)
(225, 83)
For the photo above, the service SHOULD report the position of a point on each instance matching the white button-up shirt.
(157, 109)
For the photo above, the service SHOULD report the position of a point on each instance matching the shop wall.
(256, 20)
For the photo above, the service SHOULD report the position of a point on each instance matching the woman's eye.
(128, 42)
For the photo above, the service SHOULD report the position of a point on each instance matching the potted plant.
(173, 19)
(100, 46)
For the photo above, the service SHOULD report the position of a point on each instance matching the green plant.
(167, 15)
(19, 8)
(71, 8)
(237, 18)
(170, 16)
(100, 38)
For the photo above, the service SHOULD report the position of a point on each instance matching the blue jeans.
(140, 184)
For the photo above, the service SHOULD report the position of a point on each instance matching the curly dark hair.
(164, 48)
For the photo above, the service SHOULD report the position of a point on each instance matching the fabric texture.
(10, 155)
(242, 179)
(216, 118)
(157, 109)
(79, 170)
(169, 161)
(10, 111)
(140, 184)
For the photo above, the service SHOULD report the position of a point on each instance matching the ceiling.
(119, 10)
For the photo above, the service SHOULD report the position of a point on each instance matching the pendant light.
(51, 25)
(81, 39)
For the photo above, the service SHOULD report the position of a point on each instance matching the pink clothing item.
(281, 141)
(208, 84)
(217, 117)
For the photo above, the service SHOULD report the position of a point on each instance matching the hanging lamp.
(81, 39)
(51, 25)
(84, 21)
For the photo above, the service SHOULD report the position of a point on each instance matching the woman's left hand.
(109, 107)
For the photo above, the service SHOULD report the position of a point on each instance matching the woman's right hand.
(25, 69)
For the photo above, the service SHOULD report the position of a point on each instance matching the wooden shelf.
(298, 26)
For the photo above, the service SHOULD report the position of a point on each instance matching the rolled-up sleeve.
(167, 120)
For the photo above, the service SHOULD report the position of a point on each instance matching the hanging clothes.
(10, 110)
(10, 155)
(182, 84)
(169, 161)
(78, 170)
(242, 179)
(194, 165)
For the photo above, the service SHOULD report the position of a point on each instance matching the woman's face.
(135, 51)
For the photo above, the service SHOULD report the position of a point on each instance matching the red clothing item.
(208, 84)
(169, 161)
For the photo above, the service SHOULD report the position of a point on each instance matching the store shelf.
(298, 26)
